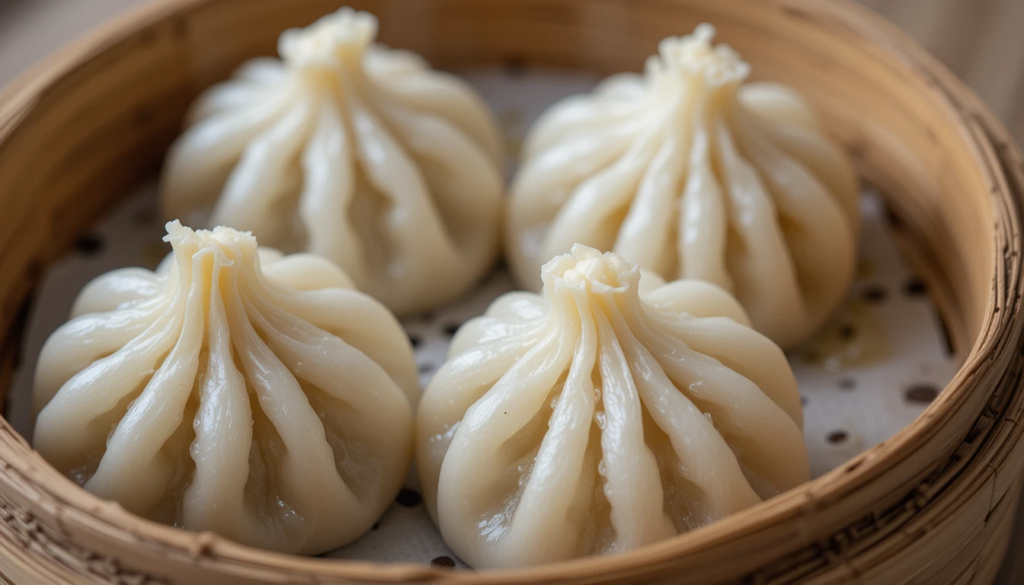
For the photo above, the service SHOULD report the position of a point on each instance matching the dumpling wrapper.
(606, 413)
(353, 151)
(692, 175)
(235, 390)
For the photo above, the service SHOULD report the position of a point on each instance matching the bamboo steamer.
(934, 504)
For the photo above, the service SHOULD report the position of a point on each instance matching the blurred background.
(982, 41)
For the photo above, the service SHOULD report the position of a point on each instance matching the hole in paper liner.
(837, 437)
(875, 294)
(89, 244)
(915, 287)
(408, 498)
(921, 393)
(443, 562)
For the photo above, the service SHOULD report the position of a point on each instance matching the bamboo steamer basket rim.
(880, 515)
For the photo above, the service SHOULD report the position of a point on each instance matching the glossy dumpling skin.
(692, 174)
(235, 390)
(601, 415)
(353, 151)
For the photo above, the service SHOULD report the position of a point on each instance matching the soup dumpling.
(606, 413)
(235, 390)
(692, 174)
(353, 151)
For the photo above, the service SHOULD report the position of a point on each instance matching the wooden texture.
(932, 505)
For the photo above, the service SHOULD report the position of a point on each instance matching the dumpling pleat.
(66, 428)
(133, 470)
(703, 216)
(520, 304)
(550, 177)
(200, 162)
(473, 461)
(695, 298)
(702, 459)
(114, 289)
(263, 70)
(825, 160)
(306, 272)
(777, 102)
(486, 329)
(577, 116)
(368, 412)
(739, 409)
(317, 356)
(744, 351)
(412, 223)
(265, 174)
(551, 489)
(823, 244)
(327, 191)
(645, 233)
(631, 475)
(785, 116)
(593, 212)
(253, 82)
(439, 95)
(362, 323)
(472, 373)
(305, 473)
(765, 278)
(215, 500)
(464, 182)
(84, 341)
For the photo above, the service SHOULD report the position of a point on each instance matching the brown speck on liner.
(443, 562)
(89, 244)
(875, 294)
(921, 393)
(915, 287)
(837, 437)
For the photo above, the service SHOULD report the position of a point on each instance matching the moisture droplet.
(554, 400)
(707, 415)
(602, 469)
(600, 419)
(597, 394)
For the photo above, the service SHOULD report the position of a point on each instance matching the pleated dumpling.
(353, 151)
(235, 390)
(602, 415)
(692, 174)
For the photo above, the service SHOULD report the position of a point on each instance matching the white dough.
(602, 415)
(353, 151)
(235, 390)
(690, 174)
